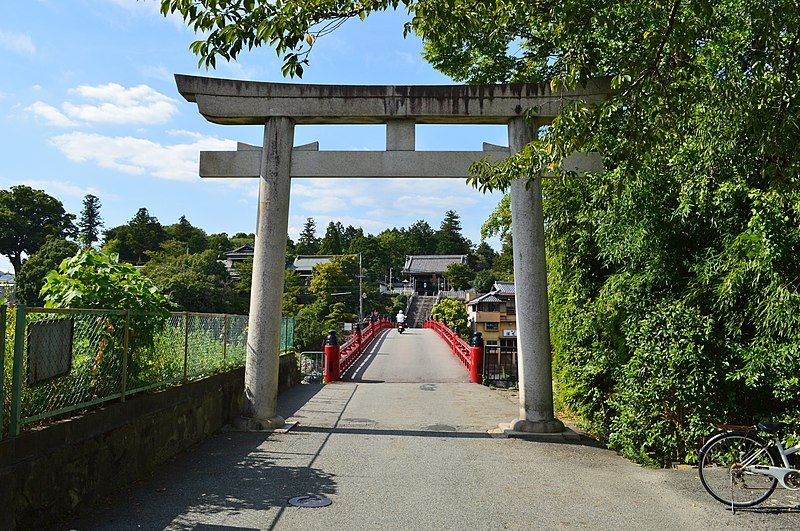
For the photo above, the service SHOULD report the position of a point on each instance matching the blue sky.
(88, 104)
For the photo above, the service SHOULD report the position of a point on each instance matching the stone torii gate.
(280, 106)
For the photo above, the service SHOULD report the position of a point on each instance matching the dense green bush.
(93, 279)
(453, 313)
(667, 322)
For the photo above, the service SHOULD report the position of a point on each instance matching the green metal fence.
(63, 360)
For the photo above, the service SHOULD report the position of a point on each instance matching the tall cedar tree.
(332, 241)
(449, 239)
(308, 242)
(90, 222)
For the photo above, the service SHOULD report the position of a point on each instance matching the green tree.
(339, 275)
(132, 241)
(31, 278)
(292, 290)
(483, 282)
(241, 238)
(449, 239)
(92, 279)
(193, 238)
(395, 244)
(293, 26)
(422, 238)
(90, 222)
(243, 285)
(373, 256)
(482, 257)
(453, 313)
(349, 234)
(499, 224)
(194, 282)
(459, 276)
(332, 241)
(338, 315)
(27, 218)
(219, 243)
(310, 326)
(308, 242)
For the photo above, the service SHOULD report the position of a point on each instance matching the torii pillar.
(279, 106)
(266, 293)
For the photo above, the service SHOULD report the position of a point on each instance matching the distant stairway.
(420, 311)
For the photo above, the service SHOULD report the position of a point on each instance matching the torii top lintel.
(233, 102)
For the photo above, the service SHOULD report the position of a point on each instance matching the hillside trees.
(194, 282)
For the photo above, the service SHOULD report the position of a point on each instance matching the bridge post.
(331, 370)
(530, 276)
(358, 338)
(476, 358)
(264, 326)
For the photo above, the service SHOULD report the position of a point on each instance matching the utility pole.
(360, 293)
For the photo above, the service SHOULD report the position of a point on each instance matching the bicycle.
(741, 469)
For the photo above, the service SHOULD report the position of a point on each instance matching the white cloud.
(147, 8)
(325, 203)
(17, 42)
(378, 204)
(434, 202)
(116, 104)
(139, 156)
(50, 114)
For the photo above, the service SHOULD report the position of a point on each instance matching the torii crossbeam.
(280, 106)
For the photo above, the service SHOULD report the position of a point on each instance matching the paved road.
(415, 356)
(395, 450)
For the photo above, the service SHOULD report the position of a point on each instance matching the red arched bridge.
(380, 353)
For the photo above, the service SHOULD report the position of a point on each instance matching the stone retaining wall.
(46, 473)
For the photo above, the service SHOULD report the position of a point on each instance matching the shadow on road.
(770, 510)
(397, 432)
(227, 475)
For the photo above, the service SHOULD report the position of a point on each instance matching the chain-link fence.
(63, 360)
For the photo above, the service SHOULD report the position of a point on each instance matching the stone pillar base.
(537, 426)
(251, 424)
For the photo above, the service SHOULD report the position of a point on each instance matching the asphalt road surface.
(404, 444)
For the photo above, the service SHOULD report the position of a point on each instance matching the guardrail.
(469, 354)
(339, 358)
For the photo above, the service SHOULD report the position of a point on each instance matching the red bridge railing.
(470, 355)
(339, 358)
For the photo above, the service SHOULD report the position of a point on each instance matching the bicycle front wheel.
(722, 473)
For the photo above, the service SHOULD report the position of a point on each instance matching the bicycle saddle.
(771, 427)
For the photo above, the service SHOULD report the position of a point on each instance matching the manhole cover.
(310, 500)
